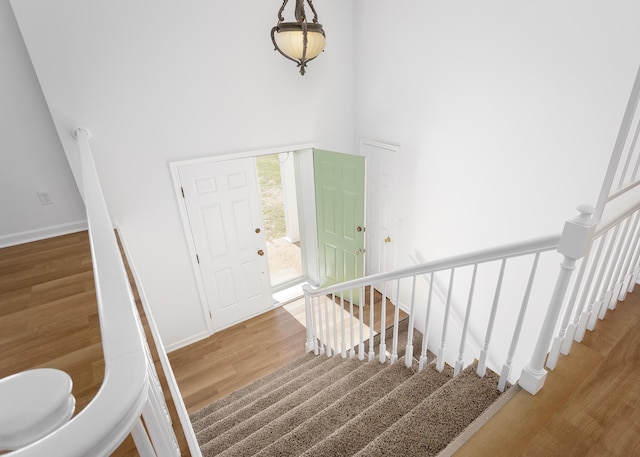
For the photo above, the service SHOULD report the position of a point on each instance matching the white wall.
(32, 157)
(159, 82)
(506, 111)
(468, 90)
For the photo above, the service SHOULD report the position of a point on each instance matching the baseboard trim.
(187, 341)
(42, 233)
(479, 422)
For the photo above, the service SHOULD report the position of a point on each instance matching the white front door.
(225, 219)
(382, 162)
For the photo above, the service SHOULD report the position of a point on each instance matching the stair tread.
(319, 406)
(259, 414)
(429, 427)
(360, 430)
(227, 405)
(317, 427)
(220, 425)
(278, 420)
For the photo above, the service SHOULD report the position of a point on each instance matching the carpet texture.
(320, 406)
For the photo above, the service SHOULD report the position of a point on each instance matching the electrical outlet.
(45, 197)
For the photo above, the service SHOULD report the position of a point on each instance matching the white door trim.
(389, 211)
(184, 217)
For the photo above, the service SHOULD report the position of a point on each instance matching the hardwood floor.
(48, 317)
(226, 361)
(230, 359)
(589, 406)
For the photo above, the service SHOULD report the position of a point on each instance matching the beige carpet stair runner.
(320, 406)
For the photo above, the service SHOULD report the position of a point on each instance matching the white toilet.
(33, 404)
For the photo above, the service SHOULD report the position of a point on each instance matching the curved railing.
(129, 391)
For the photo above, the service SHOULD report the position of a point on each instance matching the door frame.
(307, 218)
(391, 208)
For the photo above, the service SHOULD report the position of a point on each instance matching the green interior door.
(339, 182)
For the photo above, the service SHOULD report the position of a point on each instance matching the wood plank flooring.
(48, 317)
(230, 359)
(589, 406)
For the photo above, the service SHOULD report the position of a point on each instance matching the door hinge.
(210, 315)
(182, 191)
(197, 259)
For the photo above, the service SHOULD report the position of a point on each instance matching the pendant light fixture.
(299, 41)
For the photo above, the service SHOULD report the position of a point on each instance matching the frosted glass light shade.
(291, 43)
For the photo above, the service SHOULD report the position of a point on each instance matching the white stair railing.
(130, 399)
(319, 300)
(610, 227)
(604, 278)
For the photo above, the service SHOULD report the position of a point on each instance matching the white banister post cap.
(585, 212)
(578, 233)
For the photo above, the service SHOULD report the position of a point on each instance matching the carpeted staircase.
(320, 406)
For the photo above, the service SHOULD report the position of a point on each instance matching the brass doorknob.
(387, 239)
(258, 230)
(260, 252)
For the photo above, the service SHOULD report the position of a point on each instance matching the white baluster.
(328, 327)
(343, 348)
(560, 338)
(567, 331)
(383, 324)
(588, 284)
(443, 343)
(314, 327)
(425, 336)
(372, 352)
(307, 315)
(635, 268)
(616, 284)
(335, 323)
(361, 314)
(600, 288)
(396, 318)
(159, 432)
(408, 352)
(506, 369)
(574, 243)
(465, 325)
(482, 361)
(352, 335)
(318, 309)
(141, 440)
(632, 241)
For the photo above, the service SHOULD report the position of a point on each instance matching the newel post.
(574, 243)
(309, 318)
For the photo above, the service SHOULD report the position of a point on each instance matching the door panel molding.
(382, 223)
(340, 206)
(304, 170)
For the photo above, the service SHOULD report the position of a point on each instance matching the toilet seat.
(33, 404)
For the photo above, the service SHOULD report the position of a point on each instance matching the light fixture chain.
(280, 16)
(315, 14)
